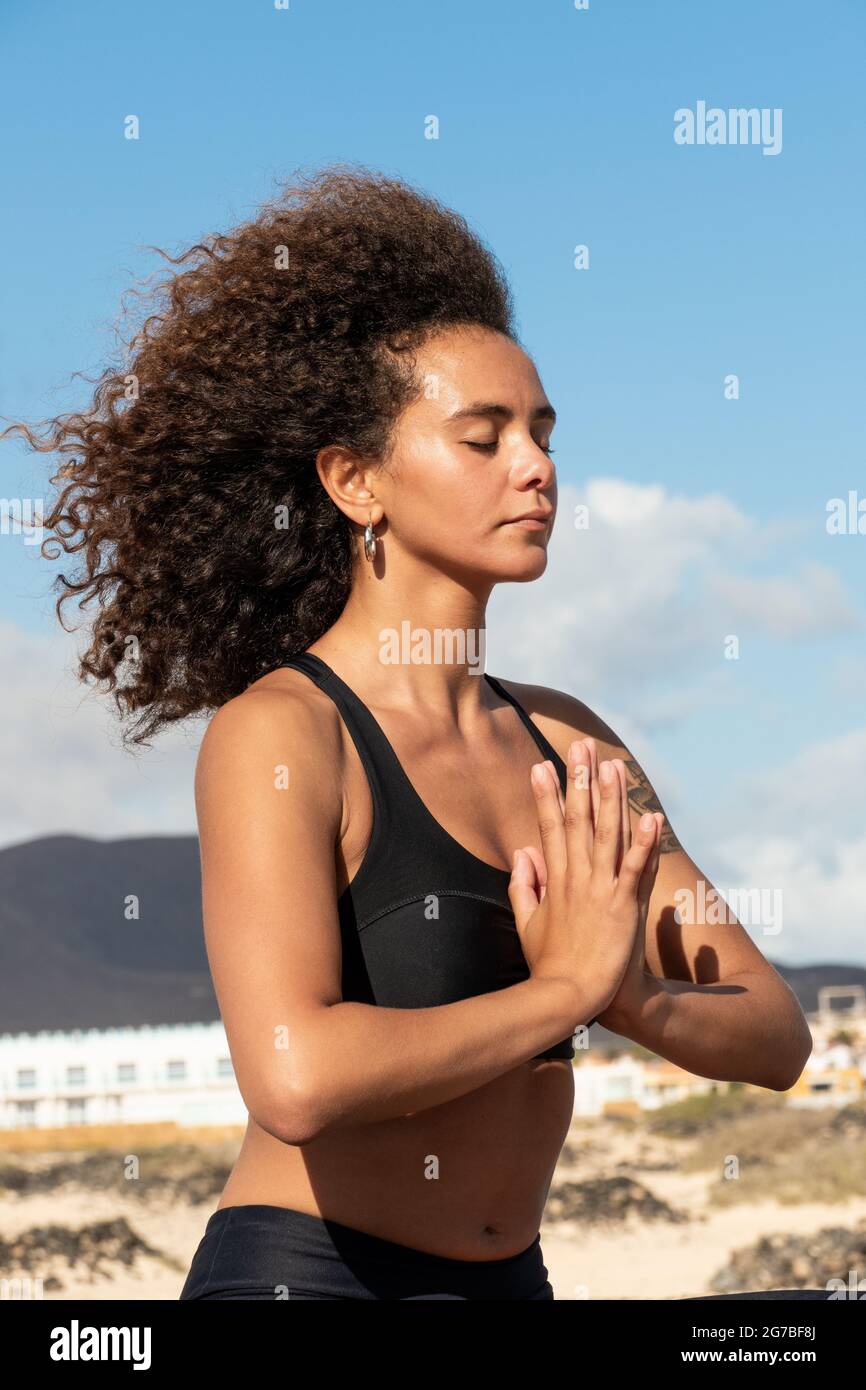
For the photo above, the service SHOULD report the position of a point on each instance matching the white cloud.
(799, 827)
(810, 604)
(62, 769)
(816, 798)
(823, 896)
(638, 597)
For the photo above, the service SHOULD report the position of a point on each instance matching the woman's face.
(468, 459)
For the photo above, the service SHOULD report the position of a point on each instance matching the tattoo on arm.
(641, 798)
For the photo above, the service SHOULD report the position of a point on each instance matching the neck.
(418, 646)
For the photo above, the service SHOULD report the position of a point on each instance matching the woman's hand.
(580, 906)
(629, 998)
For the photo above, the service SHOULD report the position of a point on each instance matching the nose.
(533, 468)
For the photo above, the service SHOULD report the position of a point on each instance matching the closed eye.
(488, 448)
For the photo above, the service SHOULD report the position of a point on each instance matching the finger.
(648, 876)
(522, 888)
(625, 827)
(540, 869)
(551, 825)
(555, 775)
(596, 791)
(635, 861)
(605, 852)
(578, 808)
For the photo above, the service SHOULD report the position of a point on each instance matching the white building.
(95, 1076)
(625, 1083)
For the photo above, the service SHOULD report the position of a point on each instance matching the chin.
(522, 568)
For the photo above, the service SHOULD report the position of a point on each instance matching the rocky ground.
(713, 1197)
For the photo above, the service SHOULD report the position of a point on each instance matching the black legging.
(265, 1252)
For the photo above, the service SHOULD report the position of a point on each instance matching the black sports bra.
(424, 921)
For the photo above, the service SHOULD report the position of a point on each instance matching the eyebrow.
(486, 408)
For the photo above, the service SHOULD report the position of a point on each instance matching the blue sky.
(556, 128)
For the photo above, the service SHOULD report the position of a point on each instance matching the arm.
(307, 1062)
(707, 999)
(704, 996)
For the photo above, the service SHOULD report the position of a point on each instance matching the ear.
(349, 480)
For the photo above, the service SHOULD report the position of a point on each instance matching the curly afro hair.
(205, 535)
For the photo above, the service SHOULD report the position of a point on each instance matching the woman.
(327, 438)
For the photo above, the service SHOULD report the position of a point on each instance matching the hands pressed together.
(581, 904)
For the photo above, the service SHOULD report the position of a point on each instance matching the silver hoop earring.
(369, 540)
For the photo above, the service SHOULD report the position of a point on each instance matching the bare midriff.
(467, 1179)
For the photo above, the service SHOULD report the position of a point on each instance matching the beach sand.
(623, 1258)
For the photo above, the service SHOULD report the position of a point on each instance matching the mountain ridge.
(73, 954)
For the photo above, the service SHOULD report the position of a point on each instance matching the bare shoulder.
(562, 718)
(281, 722)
